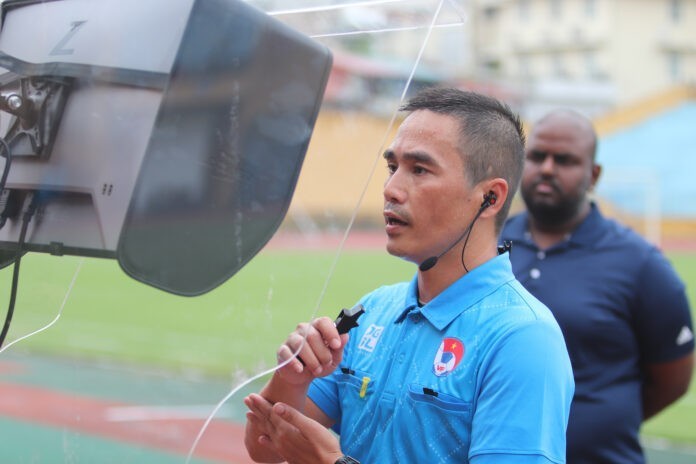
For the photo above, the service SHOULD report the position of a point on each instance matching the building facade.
(593, 55)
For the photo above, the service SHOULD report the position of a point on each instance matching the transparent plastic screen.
(99, 367)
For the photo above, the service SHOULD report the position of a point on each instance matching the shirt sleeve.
(524, 402)
(662, 316)
(324, 393)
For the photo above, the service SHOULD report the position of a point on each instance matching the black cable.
(15, 272)
(7, 153)
(468, 234)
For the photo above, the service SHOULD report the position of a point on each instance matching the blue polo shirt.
(479, 374)
(620, 305)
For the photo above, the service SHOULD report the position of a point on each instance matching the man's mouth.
(394, 218)
(392, 221)
(545, 188)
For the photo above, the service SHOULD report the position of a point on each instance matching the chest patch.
(449, 354)
(370, 338)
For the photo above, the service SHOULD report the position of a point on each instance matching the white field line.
(160, 413)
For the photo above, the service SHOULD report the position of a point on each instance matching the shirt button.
(541, 255)
(535, 273)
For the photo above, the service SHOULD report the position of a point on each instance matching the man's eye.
(536, 156)
(419, 170)
(563, 160)
(391, 168)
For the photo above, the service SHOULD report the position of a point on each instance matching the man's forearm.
(276, 390)
(665, 383)
(279, 390)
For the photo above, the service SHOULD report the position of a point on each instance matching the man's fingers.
(256, 421)
(286, 416)
(286, 354)
(314, 344)
(329, 334)
(258, 406)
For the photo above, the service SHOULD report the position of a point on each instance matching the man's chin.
(551, 212)
(398, 252)
(393, 249)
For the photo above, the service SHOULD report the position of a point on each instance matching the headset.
(489, 199)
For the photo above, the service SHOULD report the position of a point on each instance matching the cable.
(7, 153)
(341, 245)
(468, 234)
(55, 319)
(15, 272)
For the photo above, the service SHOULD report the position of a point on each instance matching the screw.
(14, 101)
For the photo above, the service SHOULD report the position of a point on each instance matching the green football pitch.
(230, 332)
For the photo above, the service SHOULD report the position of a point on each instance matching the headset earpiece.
(489, 199)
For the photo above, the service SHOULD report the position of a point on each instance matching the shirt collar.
(411, 300)
(585, 235)
(462, 294)
(589, 230)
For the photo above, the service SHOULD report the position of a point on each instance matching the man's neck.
(449, 269)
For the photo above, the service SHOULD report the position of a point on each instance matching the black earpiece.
(489, 199)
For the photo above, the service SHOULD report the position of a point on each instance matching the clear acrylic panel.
(98, 367)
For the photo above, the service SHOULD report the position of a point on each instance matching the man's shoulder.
(514, 226)
(520, 307)
(532, 305)
(623, 238)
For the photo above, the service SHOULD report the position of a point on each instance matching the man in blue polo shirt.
(461, 364)
(621, 306)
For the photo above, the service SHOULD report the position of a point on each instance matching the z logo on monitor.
(60, 49)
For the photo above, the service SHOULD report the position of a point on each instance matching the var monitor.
(167, 134)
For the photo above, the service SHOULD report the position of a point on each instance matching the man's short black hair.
(492, 138)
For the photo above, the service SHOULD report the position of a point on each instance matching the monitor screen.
(168, 135)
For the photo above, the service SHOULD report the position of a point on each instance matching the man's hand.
(319, 349)
(288, 433)
(313, 350)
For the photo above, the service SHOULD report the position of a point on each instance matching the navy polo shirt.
(619, 304)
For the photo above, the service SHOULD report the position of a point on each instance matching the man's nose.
(393, 188)
(548, 166)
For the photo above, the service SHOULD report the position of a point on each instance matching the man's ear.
(495, 192)
(596, 172)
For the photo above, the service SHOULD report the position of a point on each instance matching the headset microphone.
(488, 199)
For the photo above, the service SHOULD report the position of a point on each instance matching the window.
(523, 9)
(523, 66)
(590, 64)
(674, 64)
(590, 8)
(557, 68)
(555, 7)
(675, 10)
(490, 12)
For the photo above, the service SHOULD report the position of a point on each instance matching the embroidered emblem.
(449, 354)
(685, 336)
(370, 338)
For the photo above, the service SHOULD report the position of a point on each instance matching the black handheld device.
(348, 318)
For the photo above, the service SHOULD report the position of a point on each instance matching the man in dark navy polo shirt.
(622, 308)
